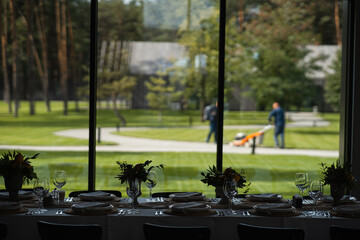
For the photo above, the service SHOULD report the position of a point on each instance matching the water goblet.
(151, 182)
(39, 191)
(230, 190)
(132, 191)
(301, 182)
(59, 182)
(316, 190)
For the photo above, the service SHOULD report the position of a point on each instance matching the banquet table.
(130, 226)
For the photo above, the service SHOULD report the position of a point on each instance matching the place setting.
(91, 209)
(187, 197)
(11, 208)
(23, 195)
(264, 197)
(275, 210)
(190, 209)
(97, 196)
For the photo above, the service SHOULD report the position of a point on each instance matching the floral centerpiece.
(339, 177)
(216, 178)
(129, 172)
(16, 168)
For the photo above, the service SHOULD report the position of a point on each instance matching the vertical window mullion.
(221, 80)
(92, 100)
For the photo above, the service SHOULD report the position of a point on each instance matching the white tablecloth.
(22, 226)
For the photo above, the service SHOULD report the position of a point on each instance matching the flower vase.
(135, 199)
(136, 203)
(13, 184)
(220, 193)
(337, 191)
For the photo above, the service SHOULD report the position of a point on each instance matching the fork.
(59, 212)
(121, 212)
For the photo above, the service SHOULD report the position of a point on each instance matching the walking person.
(212, 116)
(279, 122)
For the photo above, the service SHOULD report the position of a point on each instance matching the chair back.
(252, 232)
(340, 233)
(76, 193)
(159, 232)
(3, 230)
(58, 231)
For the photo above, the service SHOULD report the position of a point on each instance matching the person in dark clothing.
(279, 121)
(213, 123)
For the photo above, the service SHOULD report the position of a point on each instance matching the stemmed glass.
(151, 182)
(301, 182)
(59, 182)
(41, 189)
(132, 191)
(316, 191)
(230, 190)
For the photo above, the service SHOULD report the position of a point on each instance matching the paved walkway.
(132, 144)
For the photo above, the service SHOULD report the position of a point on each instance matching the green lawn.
(182, 170)
(325, 138)
(38, 129)
(267, 173)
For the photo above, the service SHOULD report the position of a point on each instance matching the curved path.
(132, 144)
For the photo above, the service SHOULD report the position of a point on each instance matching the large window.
(157, 65)
(287, 52)
(44, 67)
(157, 70)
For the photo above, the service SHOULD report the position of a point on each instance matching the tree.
(30, 62)
(61, 33)
(333, 83)
(159, 94)
(118, 86)
(14, 58)
(277, 39)
(3, 39)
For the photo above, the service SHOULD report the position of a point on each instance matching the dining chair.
(76, 193)
(339, 233)
(160, 232)
(3, 230)
(58, 231)
(163, 194)
(246, 231)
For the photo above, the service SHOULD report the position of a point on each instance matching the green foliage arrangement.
(140, 171)
(15, 163)
(337, 173)
(214, 177)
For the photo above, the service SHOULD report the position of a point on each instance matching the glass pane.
(44, 66)
(286, 52)
(157, 71)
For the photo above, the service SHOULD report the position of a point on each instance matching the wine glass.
(151, 182)
(41, 188)
(59, 178)
(301, 182)
(316, 190)
(230, 191)
(59, 182)
(132, 191)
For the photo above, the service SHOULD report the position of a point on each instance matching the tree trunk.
(73, 65)
(14, 58)
(40, 22)
(3, 35)
(241, 15)
(60, 13)
(30, 67)
(116, 111)
(337, 23)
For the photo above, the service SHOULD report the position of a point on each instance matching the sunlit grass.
(273, 174)
(325, 138)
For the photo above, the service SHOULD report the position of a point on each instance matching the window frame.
(350, 90)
